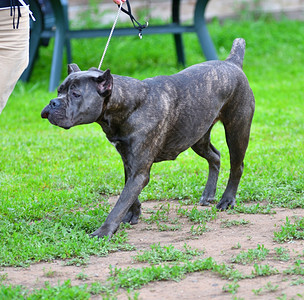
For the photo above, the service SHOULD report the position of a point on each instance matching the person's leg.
(14, 52)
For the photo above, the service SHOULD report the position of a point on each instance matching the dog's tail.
(237, 52)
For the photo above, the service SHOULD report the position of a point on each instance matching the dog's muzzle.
(54, 104)
(45, 112)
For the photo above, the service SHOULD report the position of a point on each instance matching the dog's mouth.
(53, 118)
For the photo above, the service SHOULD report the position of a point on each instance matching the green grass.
(251, 255)
(159, 254)
(230, 223)
(281, 254)
(54, 183)
(268, 288)
(263, 270)
(64, 291)
(290, 231)
(296, 269)
(137, 277)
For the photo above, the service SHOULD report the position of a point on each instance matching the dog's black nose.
(44, 114)
(54, 103)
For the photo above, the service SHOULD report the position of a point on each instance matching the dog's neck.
(124, 97)
(122, 101)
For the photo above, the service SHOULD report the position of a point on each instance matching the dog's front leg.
(128, 197)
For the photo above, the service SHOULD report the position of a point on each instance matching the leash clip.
(140, 28)
(135, 23)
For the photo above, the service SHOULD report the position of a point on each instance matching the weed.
(290, 231)
(252, 209)
(299, 281)
(82, 276)
(96, 288)
(162, 214)
(228, 272)
(64, 291)
(251, 255)
(229, 223)
(283, 297)
(257, 291)
(165, 227)
(49, 273)
(269, 287)
(199, 229)
(77, 261)
(231, 287)
(160, 253)
(107, 291)
(3, 277)
(137, 277)
(12, 292)
(281, 254)
(263, 270)
(237, 246)
(296, 269)
(199, 216)
(132, 295)
(125, 226)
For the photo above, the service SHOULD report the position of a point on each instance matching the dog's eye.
(60, 89)
(76, 94)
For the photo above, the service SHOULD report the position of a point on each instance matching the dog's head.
(81, 97)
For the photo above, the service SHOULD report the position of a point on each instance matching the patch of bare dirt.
(218, 242)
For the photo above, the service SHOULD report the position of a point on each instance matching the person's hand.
(118, 1)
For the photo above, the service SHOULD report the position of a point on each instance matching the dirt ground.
(218, 242)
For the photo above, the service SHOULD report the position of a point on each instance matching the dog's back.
(216, 87)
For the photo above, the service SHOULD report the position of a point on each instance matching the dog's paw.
(133, 214)
(225, 203)
(206, 201)
(132, 217)
(103, 231)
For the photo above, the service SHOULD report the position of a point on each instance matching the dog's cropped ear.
(73, 68)
(105, 83)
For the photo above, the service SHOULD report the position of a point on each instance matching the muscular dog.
(157, 118)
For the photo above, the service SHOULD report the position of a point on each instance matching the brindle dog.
(157, 118)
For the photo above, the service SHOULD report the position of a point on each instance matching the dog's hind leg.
(206, 150)
(237, 132)
(134, 212)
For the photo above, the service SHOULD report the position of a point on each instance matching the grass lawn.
(55, 184)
